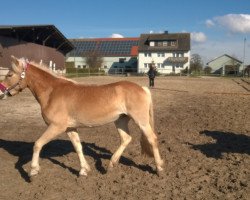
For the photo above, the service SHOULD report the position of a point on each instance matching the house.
(225, 65)
(40, 43)
(170, 52)
(119, 55)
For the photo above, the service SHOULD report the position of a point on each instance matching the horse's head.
(15, 80)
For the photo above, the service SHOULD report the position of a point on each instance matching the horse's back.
(119, 89)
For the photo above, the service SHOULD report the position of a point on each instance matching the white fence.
(3, 72)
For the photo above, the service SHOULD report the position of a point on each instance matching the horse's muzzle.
(3, 95)
(4, 92)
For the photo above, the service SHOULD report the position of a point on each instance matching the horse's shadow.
(57, 148)
(226, 142)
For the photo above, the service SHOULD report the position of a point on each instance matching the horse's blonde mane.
(45, 68)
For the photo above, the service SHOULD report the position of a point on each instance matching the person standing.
(151, 75)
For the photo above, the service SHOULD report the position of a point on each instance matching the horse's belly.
(90, 121)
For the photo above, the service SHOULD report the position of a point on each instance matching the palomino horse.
(67, 105)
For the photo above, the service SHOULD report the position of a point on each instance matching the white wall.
(108, 62)
(3, 72)
(162, 66)
(220, 63)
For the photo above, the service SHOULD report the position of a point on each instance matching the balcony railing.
(177, 59)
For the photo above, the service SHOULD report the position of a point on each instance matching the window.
(179, 65)
(181, 54)
(160, 65)
(147, 54)
(173, 43)
(178, 55)
(165, 43)
(161, 54)
(152, 44)
(159, 44)
(121, 60)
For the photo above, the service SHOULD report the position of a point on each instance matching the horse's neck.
(41, 84)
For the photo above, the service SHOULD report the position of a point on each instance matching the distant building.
(225, 65)
(119, 54)
(40, 43)
(169, 52)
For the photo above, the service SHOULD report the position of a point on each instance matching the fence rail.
(116, 72)
(3, 72)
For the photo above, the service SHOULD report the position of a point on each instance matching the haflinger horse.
(67, 105)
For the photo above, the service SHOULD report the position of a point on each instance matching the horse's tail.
(146, 148)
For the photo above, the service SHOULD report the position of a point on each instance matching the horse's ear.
(15, 63)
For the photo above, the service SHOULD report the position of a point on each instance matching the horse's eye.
(9, 75)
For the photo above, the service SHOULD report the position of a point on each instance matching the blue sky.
(216, 26)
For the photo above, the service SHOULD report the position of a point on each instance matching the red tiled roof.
(106, 39)
(134, 51)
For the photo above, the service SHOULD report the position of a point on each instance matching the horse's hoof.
(32, 179)
(33, 172)
(83, 172)
(111, 167)
(160, 172)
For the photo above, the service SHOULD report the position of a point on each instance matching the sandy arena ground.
(203, 126)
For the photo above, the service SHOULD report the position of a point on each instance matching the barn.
(40, 43)
(225, 65)
(118, 55)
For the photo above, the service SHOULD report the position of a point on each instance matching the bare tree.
(94, 60)
(207, 70)
(196, 63)
(247, 70)
(232, 67)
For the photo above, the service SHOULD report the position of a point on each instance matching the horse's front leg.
(51, 132)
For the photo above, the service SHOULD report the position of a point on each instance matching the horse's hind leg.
(122, 127)
(152, 142)
(74, 137)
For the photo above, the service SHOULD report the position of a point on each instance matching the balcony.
(177, 60)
